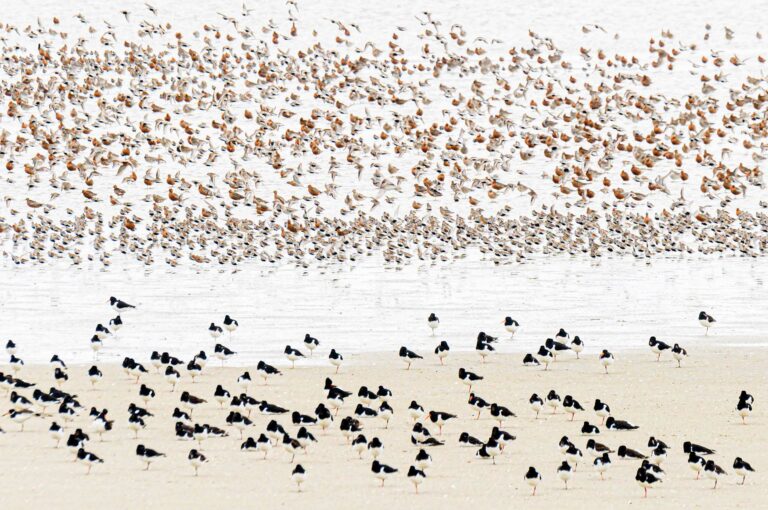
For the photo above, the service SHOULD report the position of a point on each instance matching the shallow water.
(614, 303)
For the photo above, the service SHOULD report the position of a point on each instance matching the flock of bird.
(27, 401)
(306, 141)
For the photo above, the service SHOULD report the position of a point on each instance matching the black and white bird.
(365, 412)
(244, 381)
(147, 455)
(565, 473)
(556, 347)
(571, 406)
(196, 459)
(172, 376)
(223, 353)
(266, 371)
(194, 370)
(602, 410)
(336, 359)
(577, 345)
(658, 455)
(628, 453)
(573, 455)
(553, 400)
(602, 464)
(707, 321)
(238, 421)
(415, 411)
(713, 471)
(562, 335)
(433, 322)
(94, 375)
(323, 416)
(408, 356)
(613, 424)
(116, 323)
(564, 444)
(16, 364)
(146, 393)
(385, 413)
(530, 361)
(679, 354)
(21, 416)
(490, 450)
(536, 404)
(101, 332)
(532, 478)
(442, 351)
(606, 359)
(57, 362)
(501, 413)
(478, 403)
(440, 418)
(465, 439)
(511, 326)
(382, 471)
(359, 445)
(657, 347)
(87, 458)
(597, 449)
(60, 376)
(56, 432)
(311, 343)
(190, 402)
(10, 347)
(292, 355)
(230, 324)
(544, 356)
(215, 331)
(696, 463)
(742, 468)
(268, 409)
(588, 429)
(119, 306)
(416, 476)
(375, 447)
(298, 476)
(646, 480)
(744, 409)
(291, 445)
(689, 447)
(423, 460)
(484, 349)
(469, 378)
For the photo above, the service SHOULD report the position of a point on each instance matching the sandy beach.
(695, 402)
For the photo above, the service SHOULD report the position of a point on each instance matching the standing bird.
(606, 359)
(408, 356)
(511, 326)
(532, 478)
(679, 354)
(88, 459)
(230, 324)
(299, 476)
(433, 322)
(544, 356)
(646, 480)
(382, 471)
(713, 471)
(565, 473)
(292, 355)
(657, 347)
(311, 343)
(416, 476)
(196, 459)
(147, 455)
(742, 468)
(577, 345)
(336, 359)
(707, 321)
(536, 404)
(442, 351)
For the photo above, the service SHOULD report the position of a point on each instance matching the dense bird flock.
(305, 141)
(343, 413)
